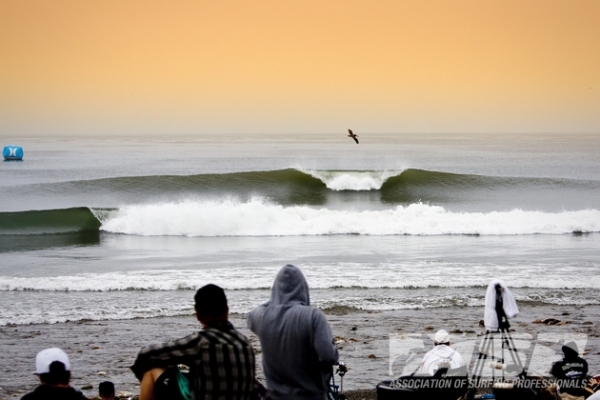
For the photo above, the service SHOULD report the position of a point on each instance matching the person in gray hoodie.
(298, 351)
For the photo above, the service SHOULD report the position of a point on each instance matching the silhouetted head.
(211, 304)
(106, 390)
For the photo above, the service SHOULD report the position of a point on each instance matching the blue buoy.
(13, 152)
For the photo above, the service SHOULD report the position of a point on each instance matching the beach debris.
(550, 321)
(339, 339)
(354, 328)
(587, 323)
(429, 328)
(124, 394)
(101, 373)
(481, 323)
(95, 347)
(547, 321)
(566, 313)
(87, 387)
(456, 331)
(372, 356)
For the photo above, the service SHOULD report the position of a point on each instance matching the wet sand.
(104, 350)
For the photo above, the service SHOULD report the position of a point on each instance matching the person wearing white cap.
(53, 369)
(441, 356)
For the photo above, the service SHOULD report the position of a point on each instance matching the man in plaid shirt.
(219, 358)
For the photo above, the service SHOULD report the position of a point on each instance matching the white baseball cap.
(442, 336)
(46, 357)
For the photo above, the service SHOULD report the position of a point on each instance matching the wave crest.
(352, 180)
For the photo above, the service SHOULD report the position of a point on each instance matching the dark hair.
(106, 388)
(210, 301)
(58, 374)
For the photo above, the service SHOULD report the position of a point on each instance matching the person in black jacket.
(53, 369)
(571, 371)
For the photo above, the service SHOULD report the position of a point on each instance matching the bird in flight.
(352, 135)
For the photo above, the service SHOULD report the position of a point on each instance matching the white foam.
(411, 274)
(258, 217)
(369, 286)
(32, 307)
(352, 180)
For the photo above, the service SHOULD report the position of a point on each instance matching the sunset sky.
(106, 67)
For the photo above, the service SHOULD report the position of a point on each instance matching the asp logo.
(536, 353)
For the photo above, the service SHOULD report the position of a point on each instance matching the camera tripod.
(336, 392)
(486, 352)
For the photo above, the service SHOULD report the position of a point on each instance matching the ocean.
(120, 228)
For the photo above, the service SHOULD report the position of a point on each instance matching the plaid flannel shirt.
(220, 359)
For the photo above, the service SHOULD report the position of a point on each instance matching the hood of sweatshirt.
(290, 287)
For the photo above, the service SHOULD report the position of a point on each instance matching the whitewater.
(260, 218)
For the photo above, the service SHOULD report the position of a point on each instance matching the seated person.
(54, 372)
(220, 359)
(571, 371)
(441, 356)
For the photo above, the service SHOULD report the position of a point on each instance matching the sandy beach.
(366, 341)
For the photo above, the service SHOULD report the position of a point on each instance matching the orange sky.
(137, 67)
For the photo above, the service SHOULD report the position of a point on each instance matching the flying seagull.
(352, 135)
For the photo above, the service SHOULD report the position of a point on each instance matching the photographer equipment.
(336, 392)
(487, 352)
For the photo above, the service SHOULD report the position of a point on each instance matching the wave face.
(299, 186)
(70, 220)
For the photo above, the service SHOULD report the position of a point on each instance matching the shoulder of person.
(316, 313)
(79, 395)
(38, 393)
(71, 393)
(256, 312)
(430, 352)
(29, 396)
(42, 393)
